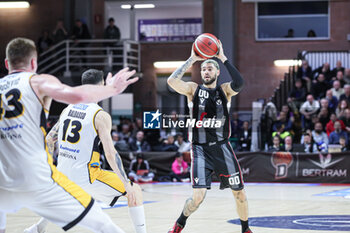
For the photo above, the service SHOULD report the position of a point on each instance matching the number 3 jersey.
(78, 156)
(24, 163)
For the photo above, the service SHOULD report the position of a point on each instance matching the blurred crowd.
(316, 114)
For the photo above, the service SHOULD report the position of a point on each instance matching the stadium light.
(168, 64)
(290, 62)
(142, 6)
(137, 6)
(128, 6)
(14, 4)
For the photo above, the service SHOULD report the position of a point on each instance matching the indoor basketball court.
(286, 208)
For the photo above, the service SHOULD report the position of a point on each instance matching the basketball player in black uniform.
(211, 150)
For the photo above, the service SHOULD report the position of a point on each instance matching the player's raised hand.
(121, 80)
(221, 54)
(194, 56)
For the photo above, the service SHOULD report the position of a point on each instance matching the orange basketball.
(206, 45)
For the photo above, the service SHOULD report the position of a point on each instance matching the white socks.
(42, 224)
(2, 221)
(137, 215)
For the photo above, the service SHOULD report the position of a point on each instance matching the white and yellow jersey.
(78, 156)
(24, 163)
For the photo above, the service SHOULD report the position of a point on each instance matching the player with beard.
(211, 150)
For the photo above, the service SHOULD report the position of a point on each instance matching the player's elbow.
(170, 81)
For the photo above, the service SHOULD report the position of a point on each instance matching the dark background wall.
(30, 22)
(255, 59)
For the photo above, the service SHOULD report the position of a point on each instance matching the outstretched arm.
(45, 85)
(175, 82)
(236, 85)
(103, 123)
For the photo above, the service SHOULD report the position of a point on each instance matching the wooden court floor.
(164, 202)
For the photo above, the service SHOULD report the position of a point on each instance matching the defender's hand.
(121, 80)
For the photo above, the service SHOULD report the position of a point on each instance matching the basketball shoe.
(248, 231)
(177, 228)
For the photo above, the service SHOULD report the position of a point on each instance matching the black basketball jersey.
(210, 105)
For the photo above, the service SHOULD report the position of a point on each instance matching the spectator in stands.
(320, 87)
(324, 69)
(182, 144)
(44, 41)
(137, 126)
(347, 75)
(139, 144)
(324, 103)
(338, 67)
(236, 125)
(112, 31)
(280, 132)
(59, 33)
(332, 100)
(311, 33)
(304, 73)
(139, 170)
(276, 146)
(324, 116)
(290, 147)
(337, 91)
(340, 77)
(290, 33)
(245, 137)
(289, 114)
(169, 144)
(346, 120)
(283, 120)
(337, 133)
(344, 144)
(80, 31)
(119, 145)
(346, 95)
(179, 169)
(342, 106)
(125, 133)
(330, 124)
(296, 96)
(320, 137)
(307, 110)
(308, 145)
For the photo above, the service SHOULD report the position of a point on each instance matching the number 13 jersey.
(24, 163)
(78, 156)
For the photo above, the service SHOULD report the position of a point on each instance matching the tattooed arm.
(52, 137)
(175, 82)
(103, 123)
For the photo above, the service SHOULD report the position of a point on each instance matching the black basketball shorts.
(219, 158)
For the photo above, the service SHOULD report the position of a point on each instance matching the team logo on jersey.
(151, 120)
(202, 100)
(203, 93)
(219, 102)
(281, 161)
